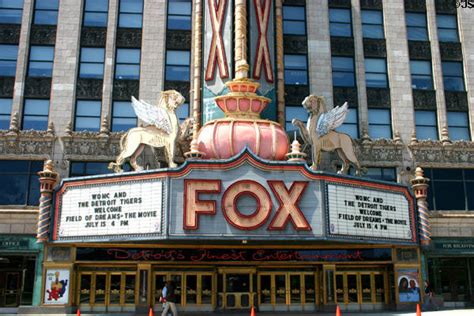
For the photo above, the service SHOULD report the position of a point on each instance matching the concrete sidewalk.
(451, 312)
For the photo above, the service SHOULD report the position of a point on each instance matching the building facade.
(69, 68)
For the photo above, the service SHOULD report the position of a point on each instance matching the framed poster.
(408, 286)
(56, 290)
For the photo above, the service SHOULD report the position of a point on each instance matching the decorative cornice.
(30, 143)
(87, 145)
(430, 153)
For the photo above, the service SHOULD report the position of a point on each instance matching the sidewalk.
(452, 312)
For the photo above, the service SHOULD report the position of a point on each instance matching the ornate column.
(197, 61)
(241, 65)
(48, 179)
(420, 187)
(280, 62)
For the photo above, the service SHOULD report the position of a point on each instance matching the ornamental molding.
(379, 152)
(86, 145)
(443, 154)
(27, 143)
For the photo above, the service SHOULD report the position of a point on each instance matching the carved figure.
(319, 133)
(162, 131)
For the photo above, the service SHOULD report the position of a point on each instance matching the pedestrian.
(169, 299)
(429, 298)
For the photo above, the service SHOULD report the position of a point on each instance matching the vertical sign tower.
(228, 28)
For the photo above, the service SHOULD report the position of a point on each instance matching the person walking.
(429, 297)
(169, 299)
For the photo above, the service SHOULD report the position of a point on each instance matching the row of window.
(450, 189)
(340, 24)
(379, 123)
(343, 73)
(95, 12)
(179, 18)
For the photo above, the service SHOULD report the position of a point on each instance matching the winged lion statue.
(319, 133)
(163, 130)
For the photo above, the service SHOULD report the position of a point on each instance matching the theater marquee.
(361, 213)
(110, 210)
(242, 198)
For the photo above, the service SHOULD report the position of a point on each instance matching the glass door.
(289, 289)
(103, 289)
(236, 288)
(361, 287)
(12, 289)
(191, 288)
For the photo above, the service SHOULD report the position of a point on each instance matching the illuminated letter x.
(217, 49)
(262, 52)
(289, 209)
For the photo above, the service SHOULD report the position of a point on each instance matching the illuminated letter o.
(231, 212)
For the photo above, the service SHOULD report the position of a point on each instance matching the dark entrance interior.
(17, 276)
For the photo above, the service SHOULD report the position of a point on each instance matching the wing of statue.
(332, 119)
(152, 114)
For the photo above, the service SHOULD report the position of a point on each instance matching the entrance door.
(193, 290)
(354, 288)
(107, 290)
(236, 289)
(10, 289)
(282, 291)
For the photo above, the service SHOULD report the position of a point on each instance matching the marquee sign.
(242, 198)
(356, 212)
(110, 210)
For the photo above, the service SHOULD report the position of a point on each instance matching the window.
(380, 123)
(41, 61)
(340, 22)
(177, 65)
(447, 28)
(123, 116)
(11, 11)
(35, 114)
(179, 14)
(377, 173)
(95, 13)
(87, 116)
(46, 12)
(453, 76)
(426, 127)
(128, 64)
(343, 74)
(350, 125)
(182, 112)
(296, 69)
(8, 55)
(451, 189)
(458, 125)
(89, 168)
(386, 174)
(376, 73)
(372, 24)
(92, 63)
(20, 182)
(294, 20)
(131, 13)
(421, 74)
(416, 27)
(294, 112)
(5, 112)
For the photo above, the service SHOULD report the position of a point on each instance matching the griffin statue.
(163, 130)
(319, 133)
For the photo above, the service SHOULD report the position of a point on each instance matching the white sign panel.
(107, 210)
(357, 212)
(56, 287)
